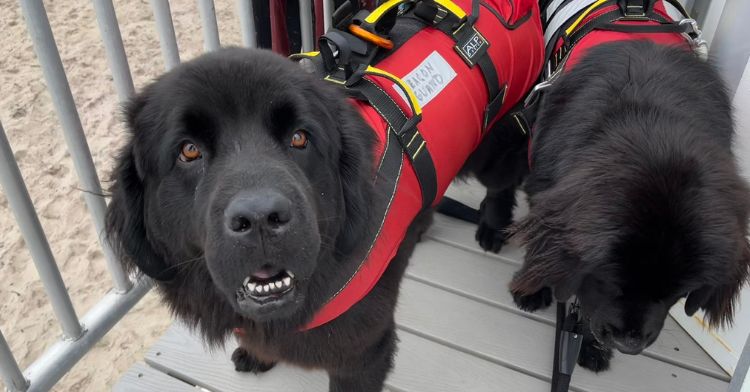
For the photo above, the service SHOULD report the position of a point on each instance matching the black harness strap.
(406, 131)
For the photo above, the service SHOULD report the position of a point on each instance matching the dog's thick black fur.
(250, 203)
(635, 197)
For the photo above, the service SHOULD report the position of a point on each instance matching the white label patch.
(428, 79)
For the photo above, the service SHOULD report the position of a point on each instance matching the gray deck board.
(459, 331)
(142, 378)
(526, 345)
(420, 366)
(485, 277)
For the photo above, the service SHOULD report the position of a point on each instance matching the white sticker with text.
(428, 79)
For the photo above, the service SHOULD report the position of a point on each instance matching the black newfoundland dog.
(635, 197)
(243, 170)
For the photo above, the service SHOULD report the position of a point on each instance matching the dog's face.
(243, 177)
(630, 246)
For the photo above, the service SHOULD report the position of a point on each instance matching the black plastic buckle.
(634, 9)
(494, 106)
(410, 138)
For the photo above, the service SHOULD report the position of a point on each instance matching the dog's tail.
(456, 209)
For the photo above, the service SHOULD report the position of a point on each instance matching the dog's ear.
(125, 221)
(548, 262)
(355, 168)
(719, 301)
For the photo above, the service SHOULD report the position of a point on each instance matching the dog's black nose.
(265, 209)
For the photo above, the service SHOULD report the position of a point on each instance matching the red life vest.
(431, 78)
(605, 21)
(574, 27)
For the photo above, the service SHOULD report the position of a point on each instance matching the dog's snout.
(258, 210)
(629, 342)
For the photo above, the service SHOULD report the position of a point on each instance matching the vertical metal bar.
(210, 28)
(327, 14)
(23, 209)
(730, 48)
(167, 38)
(59, 358)
(739, 378)
(12, 376)
(305, 25)
(57, 84)
(247, 23)
(118, 61)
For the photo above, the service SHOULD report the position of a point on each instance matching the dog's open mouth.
(266, 285)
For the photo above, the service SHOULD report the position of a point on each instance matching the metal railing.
(80, 334)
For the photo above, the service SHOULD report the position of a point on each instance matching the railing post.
(739, 379)
(247, 23)
(305, 25)
(327, 14)
(167, 39)
(118, 61)
(23, 209)
(730, 48)
(57, 84)
(12, 376)
(210, 28)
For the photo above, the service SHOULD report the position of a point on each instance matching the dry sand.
(31, 123)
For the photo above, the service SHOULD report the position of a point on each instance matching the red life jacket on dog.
(429, 102)
(572, 27)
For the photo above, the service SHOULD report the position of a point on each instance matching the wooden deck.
(459, 331)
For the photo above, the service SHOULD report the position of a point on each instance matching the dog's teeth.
(251, 287)
(291, 275)
(287, 281)
(278, 285)
(266, 288)
(246, 281)
(259, 289)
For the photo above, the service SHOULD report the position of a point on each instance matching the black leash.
(568, 341)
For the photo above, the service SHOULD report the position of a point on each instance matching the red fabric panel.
(451, 123)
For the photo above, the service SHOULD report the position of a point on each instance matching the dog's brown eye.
(299, 139)
(189, 152)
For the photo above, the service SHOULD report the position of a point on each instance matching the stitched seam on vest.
(387, 143)
(387, 208)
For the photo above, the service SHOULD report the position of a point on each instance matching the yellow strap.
(452, 7)
(409, 93)
(583, 16)
(303, 55)
(378, 13)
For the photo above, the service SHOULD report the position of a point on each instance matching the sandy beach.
(31, 124)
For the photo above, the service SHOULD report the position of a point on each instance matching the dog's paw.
(533, 302)
(594, 357)
(495, 215)
(245, 362)
(490, 239)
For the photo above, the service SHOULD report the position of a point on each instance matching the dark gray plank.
(485, 276)
(421, 365)
(520, 343)
(143, 378)
(181, 353)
